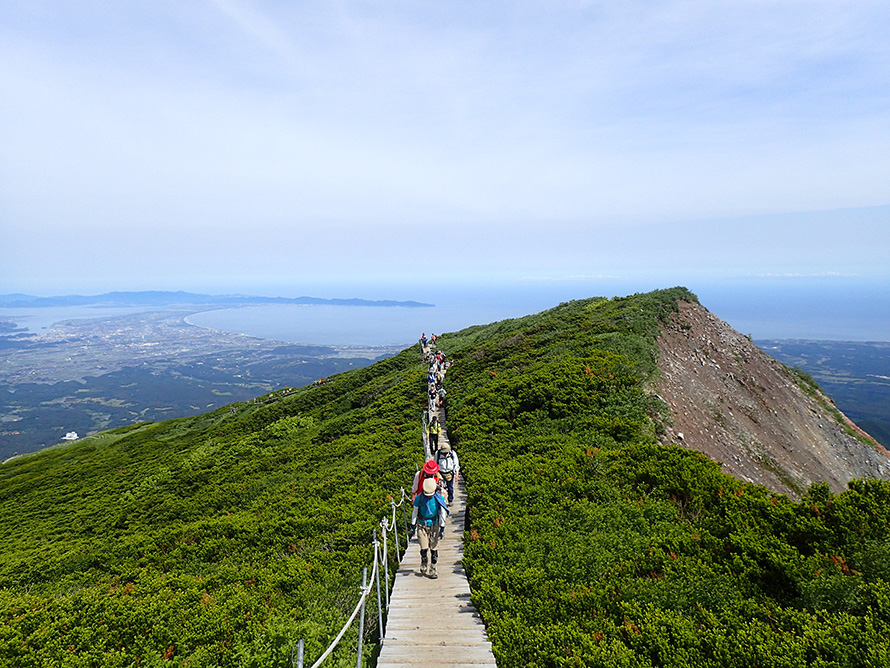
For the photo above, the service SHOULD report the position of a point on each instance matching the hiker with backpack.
(449, 467)
(434, 430)
(443, 402)
(428, 521)
(429, 470)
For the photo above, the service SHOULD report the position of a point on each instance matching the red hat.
(431, 468)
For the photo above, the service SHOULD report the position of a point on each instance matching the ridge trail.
(433, 622)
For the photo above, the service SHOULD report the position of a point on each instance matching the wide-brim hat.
(445, 447)
(429, 486)
(431, 467)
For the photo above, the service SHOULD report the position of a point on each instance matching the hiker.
(428, 520)
(443, 403)
(429, 470)
(434, 430)
(449, 467)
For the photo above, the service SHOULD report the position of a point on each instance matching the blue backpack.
(428, 508)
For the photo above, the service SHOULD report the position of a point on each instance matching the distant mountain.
(165, 298)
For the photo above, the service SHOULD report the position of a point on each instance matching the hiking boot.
(432, 572)
(423, 568)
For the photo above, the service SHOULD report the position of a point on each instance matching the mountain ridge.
(763, 423)
(593, 538)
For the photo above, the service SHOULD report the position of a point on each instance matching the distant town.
(82, 376)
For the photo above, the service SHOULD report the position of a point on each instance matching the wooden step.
(433, 623)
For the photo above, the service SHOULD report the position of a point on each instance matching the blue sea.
(777, 309)
(840, 309)
(38, 320)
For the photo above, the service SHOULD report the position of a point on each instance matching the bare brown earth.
(742, 408)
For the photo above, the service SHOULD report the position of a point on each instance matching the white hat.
(429, 486)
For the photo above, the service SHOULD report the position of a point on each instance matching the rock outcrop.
(733, 402)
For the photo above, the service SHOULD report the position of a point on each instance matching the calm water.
(39, 319)
(830, 309)
(833, 310)
(354, 325)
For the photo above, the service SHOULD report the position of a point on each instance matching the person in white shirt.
(449, 467)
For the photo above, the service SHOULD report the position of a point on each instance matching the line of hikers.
(432, 485)
(438, 366)
(435, 481)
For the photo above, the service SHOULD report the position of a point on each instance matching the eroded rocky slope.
(730, 400)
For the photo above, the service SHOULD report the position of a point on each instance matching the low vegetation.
(593, 545)
(221, 539)
(218, 540)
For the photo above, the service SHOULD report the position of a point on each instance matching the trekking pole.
(361, 620)
(379, 605)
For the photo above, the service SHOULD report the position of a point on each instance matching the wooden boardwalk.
(432, 623)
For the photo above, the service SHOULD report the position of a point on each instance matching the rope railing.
(381, 556)
(366, 589)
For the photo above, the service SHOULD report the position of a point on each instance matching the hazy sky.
(199, 143)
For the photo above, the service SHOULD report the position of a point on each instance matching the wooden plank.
(433, 623)
(411, 661)
(453, 637)
(427, 655)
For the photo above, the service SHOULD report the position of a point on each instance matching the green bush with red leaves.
(590, 544)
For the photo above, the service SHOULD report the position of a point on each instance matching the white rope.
(365, 591)
(378, 557)
(401, 500)
(394, 520)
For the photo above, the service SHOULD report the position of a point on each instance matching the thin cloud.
(573, 277)
(529, 138)
(823, 274)
(259, 26)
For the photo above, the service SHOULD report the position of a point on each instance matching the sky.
(215, 145)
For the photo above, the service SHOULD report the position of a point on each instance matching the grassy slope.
(226, 537)
(592, 545)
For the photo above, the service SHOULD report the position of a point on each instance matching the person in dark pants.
(434, 430)
(449, 467)
(428, 521)
(443, 402)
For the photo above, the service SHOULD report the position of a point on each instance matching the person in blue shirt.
(428, 521)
